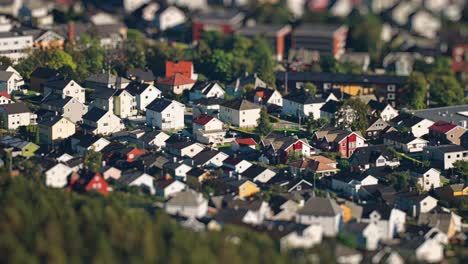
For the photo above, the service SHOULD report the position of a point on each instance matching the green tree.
(416, 90)
(315, 124)
(264, 125)
(93, 161)
(365, 34)
(220, 64)
(445, 90)
(460, 167)
(310, 88)
(276, 13)
(264, 64)
(353, 114)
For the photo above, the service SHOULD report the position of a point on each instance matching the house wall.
(330, 225)
(421, 128)
(170, 18)
(57, 176)
(243, 119)
(293, 108)
(188, 211)
(125, 105)
(108, 124)
(248, 189)
(146, 97)
(14, 121)
(171, 118)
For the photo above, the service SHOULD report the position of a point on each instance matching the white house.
(302, 105)
(168, 187)
(322, 211)
(144, 94)
(418, 126)
(87, 143)
(184, 148)
(125, 104)
(414, 204)
(209, 158)
(14, 115)
(65, 88)
(302, 236)
(368, 234)
(187, 203)
(208, 89)
(236, 165)
(165, 114)
(136, 178)
(425, 24)
(16, 45)
(405, 142)
(57, 176)
(169, 17)
(351, 185)
(156, 139)
(267, 96)
(383, 110)
(241, 113)
(427, 178)
(390, 221)
(98, 121)
(5, 100)
(56, 128)
(257, 173)
(12, 81)
(445, 155)
(208, 129)
(178, 169)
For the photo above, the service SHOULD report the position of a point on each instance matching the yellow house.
(449, 192)
(247, 188)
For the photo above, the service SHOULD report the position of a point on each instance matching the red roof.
(442, 127)
(176, 80)
(183, 67)
(246, 141)
(5, 94)
(202, 119)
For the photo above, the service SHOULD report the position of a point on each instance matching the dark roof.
(141, 74)
(331, 106)
(103, 93)
(240, 104)
(45, 73)
(376, 105)
(451, 148)
(369, 154)
(319, 77)
(401, 137)
(316, 30)
(196, 172)
(57, 84)
(49, 122)
(136, 88)
(406, 120)
(56, 100)
(159, 104)
(204, 156)
(383, 209)
(128, 177)
(15, 108)
(253, 171)
(303, 98)
(267, 30)
(94, 114)
(179, 144)
(319, 206)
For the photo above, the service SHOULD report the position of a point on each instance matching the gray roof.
(5, 76)
(303, 98)
(103, 93)
(186, 198)
(241, 104)
(159, 104)
(94, 114)
(316, 30)
(15, 108)
(319, 206)
(452, 114)
(49, 122)
(262, 29)
(451, 148)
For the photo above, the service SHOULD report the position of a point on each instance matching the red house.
(342, 141)
(185, 68)
(134, 153)
(90, 182)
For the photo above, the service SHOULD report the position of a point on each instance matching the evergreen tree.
(264, 126)
(93, 161)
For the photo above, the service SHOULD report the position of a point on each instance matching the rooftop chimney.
(71, 32)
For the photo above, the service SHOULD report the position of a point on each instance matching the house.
(276, 34)
(139, 179)
(178, 169)
(259, 174)
(452, 191)
(267, 97)
(405, 142)
(302, 105)
(373, 157)
(15, 43)
(110, 172)
(383, 87)
(447, 132)
(377, 127)
(422, 250)
(322, 211)
(347, 255)
(351, 184)
(14, 115)
(425, 24)
(190, 4)
(18, 146)
(342, 141)
(58, 176)
(257, 210)
(385, 111)
(208, 129)
(144, 94)
(125, 104)
(103, 98)
(209, 159)
(165, 114)
(243, 145)
(184, 148)
(82, 143)
(416, 125)
(167, 187)
(401, 63)
(207, 106)
(427, 178)
(56, 128)
(98, 121)
(298, 185)
(153, 139)
(106, 80)
(317, 165)
(301, 237)
(414, 203)
(244, 188)
(240, 113)
(48, 39)
(140, 76)
(196, 176)
(37, 13)
(321, 38)
(176, 84)
(387, 255)
(235, 88)
(206, 89)
(88, 182)
(329, 109)
(187, 203)
(367, 234)
(236, 165)
(278, 148)
(226, 21)
(10, 82)
(63, 87)
(464, 140)
(184, 68)
(169, 18)
(390, 221)
(445, 155)
(5, 99)
(67, 106)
